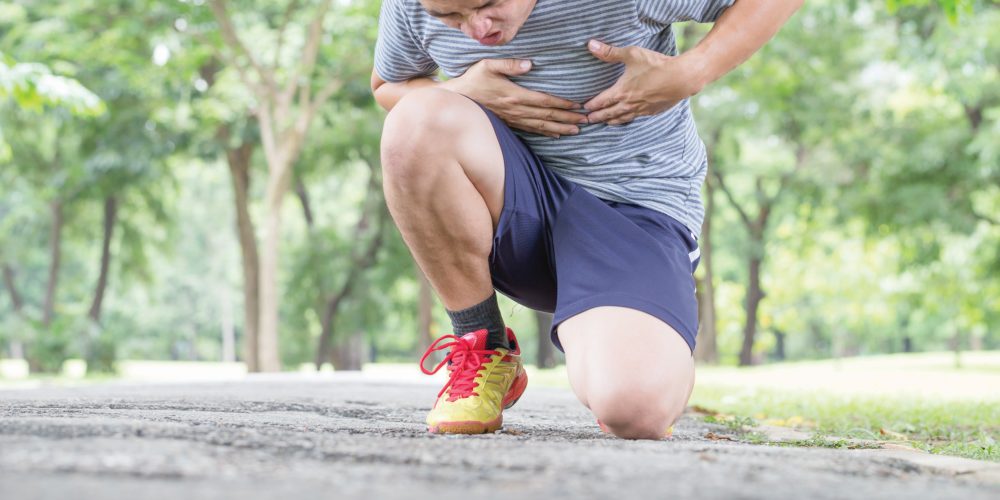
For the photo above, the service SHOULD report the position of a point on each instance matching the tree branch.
(359, 261)
(300, 77)
(309, 109)
(8, 280)
(983, 217)
(289, 11)
(801, 155)
(233, 41)
(732, 199)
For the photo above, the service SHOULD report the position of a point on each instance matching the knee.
(422, 125)
(644, 411)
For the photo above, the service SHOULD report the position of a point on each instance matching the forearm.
(738, 33)
(387, 94)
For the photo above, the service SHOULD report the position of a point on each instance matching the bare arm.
(738, 33)
(654, 82)
(487, 83)
(387, 94)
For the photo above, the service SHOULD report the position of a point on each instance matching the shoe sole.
(474, 427)
(469, 427)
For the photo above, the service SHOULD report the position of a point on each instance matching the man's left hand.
(652, 83)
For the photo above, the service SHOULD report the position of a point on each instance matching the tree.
(770, 119)
(288, 90)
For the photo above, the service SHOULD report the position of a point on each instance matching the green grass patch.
(962, 428)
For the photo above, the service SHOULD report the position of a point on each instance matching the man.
(560, 165)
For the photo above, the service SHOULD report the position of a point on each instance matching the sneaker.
(667, 435)
(483, 383)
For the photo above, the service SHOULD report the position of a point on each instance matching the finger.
(623, 119)
(614, 112)
(604, 99)
(509, 67)
(552, 115)
(608, 53)
(549, 128)
(543, 100)
(533, 130)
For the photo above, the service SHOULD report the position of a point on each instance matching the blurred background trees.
(200, 180)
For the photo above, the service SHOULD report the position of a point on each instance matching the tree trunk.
(110, 217)
(706, 349)
(239, 169)
(284, 111)
(425, 310)
(268, 355)
(546, 350)
(779, 345)
(55, 246)
(754, 296)
(324, 349)
(349, 353)
(228, 328)
(16, 346)
(361, 261)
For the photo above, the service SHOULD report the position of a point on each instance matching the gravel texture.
(352, 437)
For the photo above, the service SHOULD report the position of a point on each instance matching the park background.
(197, 182)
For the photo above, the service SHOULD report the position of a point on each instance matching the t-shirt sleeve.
(398, 55)
(675, 11)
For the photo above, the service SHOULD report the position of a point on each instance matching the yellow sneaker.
(483, 383)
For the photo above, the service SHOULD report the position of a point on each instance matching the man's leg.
(443, 180)
(632, 370)
(444, 177)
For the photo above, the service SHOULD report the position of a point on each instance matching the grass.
(951, 427)
(927, 401)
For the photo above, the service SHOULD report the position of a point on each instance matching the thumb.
(509, 67)
(606, 52)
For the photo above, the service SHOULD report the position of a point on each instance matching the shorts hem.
(621, 300)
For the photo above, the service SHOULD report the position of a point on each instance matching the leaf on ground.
(894, 435)
(702, 409)
(718, 437)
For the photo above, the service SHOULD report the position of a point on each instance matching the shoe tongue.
(477, 339)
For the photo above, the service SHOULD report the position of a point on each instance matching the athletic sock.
(485, 314)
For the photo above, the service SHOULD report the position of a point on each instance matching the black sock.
(485, 314)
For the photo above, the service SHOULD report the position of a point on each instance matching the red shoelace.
(465, 364)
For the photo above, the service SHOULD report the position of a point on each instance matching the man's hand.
(652, 83)
(486, 82)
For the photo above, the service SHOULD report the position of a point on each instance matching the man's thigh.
(521, 260)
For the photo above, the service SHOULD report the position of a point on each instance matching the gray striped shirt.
(658, 162)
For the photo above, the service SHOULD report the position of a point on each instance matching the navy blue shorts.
(560, 249)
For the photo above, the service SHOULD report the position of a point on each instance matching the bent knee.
(637, 413)
(425, 123)
(426, 112)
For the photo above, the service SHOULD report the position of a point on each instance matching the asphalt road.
(349, 437)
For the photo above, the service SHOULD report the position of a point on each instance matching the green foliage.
(951, 8)
(886, 233)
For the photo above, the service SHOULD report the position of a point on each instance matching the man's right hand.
(486, 82)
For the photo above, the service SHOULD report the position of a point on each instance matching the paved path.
(349, 437)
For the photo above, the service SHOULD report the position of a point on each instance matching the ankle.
(484, 315)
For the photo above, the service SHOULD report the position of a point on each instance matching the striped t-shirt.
(658, 162)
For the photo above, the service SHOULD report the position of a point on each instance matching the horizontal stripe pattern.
(658, 162)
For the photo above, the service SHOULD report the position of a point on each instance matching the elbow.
(376, 84)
